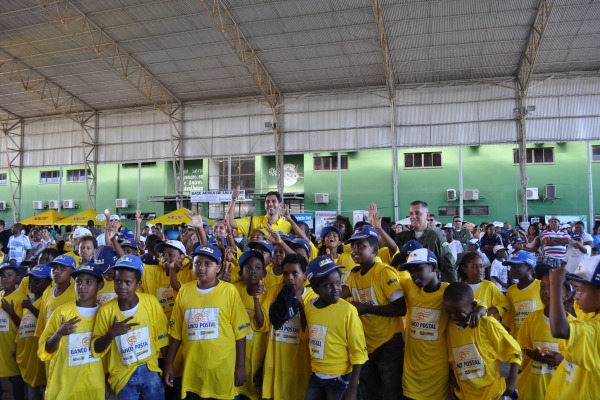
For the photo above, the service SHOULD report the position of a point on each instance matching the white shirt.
(574, 257)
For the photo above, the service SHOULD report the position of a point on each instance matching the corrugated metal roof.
(308, 45)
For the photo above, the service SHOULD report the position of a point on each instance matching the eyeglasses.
(457, 220)
(431, 220)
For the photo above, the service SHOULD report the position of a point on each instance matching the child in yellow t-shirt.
(377, 295)
(336, 339)
(471, 270)
(523, 298)
(284, 379)
(540, 349)
(252, 290)
(10, 319)
(474, 352)
(32, 369)
(426, 333)
(210, 322)
(578, 375)
(131, 330)
(74, 373)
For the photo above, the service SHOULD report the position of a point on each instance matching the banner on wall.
(323, 219)
(307, 218)
(215, 196)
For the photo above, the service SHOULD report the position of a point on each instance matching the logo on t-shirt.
(289, 332)
(468, 362)
(317, 334)
(424, 323)
(523, 309)
(27, 327)
(540, 368)
(134, 345)
(79, 349)
(202, 323)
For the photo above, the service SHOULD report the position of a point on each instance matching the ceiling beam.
(62, 102)
(110, 53)
(534, 43)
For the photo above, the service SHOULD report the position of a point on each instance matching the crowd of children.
(287, 319)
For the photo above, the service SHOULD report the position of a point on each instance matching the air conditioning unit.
(471, 194)
(550, 192)
(53, 204)
(532, 194)
(68, 204)
(2, 205)
(38, 205)
(321, 198)
(451, 194)
(122, 203)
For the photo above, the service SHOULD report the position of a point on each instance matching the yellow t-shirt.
(107, 292)
(256, 341)
(521, 303)
(208, 325)
(8, 335)
(535, 376)
(140, 345)
(578, 375)
(347, 264)
(24, 285)
(75, 256)
(32, 369)
(258, 222)
(73, 373)
(474, 354)
(155, 281)
(385, 256)
(490, 296)
(50, 303)
(380, 286)
(426, 367)
(336, 339)
(284, 379)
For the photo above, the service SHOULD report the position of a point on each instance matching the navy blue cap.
(126, 234)
(88, 268)
(542, 269)
(410, 246)
(320, 267)
(360, 224)
(149, 259)
(328, 229)
(105, 257)
(364, 232)
(41, 271)
(305, 244)
(521, 257)
(210, 251)
(65, 260)
(129, 243)
(12, 264)
(287, 237)
(248, 255)
(266, 245)
(130, 262)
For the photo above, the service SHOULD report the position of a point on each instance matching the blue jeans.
(144, 383)
(327, 389)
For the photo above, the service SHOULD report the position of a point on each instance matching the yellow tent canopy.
(82, 218)
(50, 217)
(176, 217)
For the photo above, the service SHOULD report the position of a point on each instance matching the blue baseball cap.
(360, 224)
(587, 272)
(419, 256)
(287, 237)
(266, 245)
(320, 267)
(126, 234)
(521, 257)
(364, 232)
(12, 264)
(105, 257)
(40, 271)
(130, 262)
(410, 246)
(248, 255)
(88, 268)
(328, 229)
(129, 243)
(517, 240)
(305, 244)
(577, 236)
(542, 269)
(210, 251)
(149, 259)
(474, 242)
(65, 260)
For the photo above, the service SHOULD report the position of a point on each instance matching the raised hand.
(258, 290)
(196, 219)
(67, 327)
(235, 193)
(119, 328)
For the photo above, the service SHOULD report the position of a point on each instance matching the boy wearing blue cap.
(32, 369)
(210, 322)
(131, 330)
(105, 257)
(10, 319)
(523, 298)
(578, 375)
(336, 339)
(377, 296)
(74, 373)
